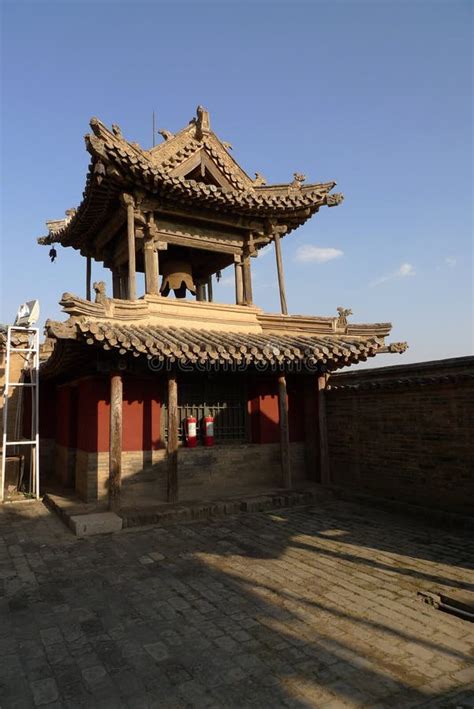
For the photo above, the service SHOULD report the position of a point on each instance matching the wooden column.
(247, 279)
(311, 445)
(132, 276)
(323, 433)
(172, 446)
(116, 285)
(160, 246)
(239, 284)
(284, 432)
(201, 291)
(157, 259)
(151, 267)
(88, 278)
(115, 441)
(210, 294)
(123, 283)
(281, 276)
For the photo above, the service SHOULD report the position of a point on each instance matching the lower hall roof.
(193, 347)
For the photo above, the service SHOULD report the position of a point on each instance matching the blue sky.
(376, 95)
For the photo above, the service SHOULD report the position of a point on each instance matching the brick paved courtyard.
(305, 608)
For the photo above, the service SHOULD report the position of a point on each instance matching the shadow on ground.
(304, 608)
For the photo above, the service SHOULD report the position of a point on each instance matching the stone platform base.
(203, 509)
(78, 515)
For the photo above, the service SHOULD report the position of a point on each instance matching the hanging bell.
(53, 254)
(177, 276)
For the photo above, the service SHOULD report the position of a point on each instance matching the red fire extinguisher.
(209, 430)
(191, 432)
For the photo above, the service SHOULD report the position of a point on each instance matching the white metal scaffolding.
(29, 348)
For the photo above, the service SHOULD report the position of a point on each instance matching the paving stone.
(313, 607)
(93, 675)
(50, 636)
(158, 651)
(36, 668)
(44, 691)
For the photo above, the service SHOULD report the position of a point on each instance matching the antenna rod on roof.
(154, 129)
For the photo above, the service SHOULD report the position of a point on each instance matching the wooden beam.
(210, 294)
(194, 242)
(310, 433)
(115, 441)
(284, 432)
(88, 278)
(323, 432)
(132, 275)
(211, 217)
(281, 276)
(172, 445)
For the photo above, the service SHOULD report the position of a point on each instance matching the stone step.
(204, 509)
(85, 519)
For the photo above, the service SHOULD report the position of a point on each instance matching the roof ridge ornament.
(333, 200)
(202, 122)
(397, 347)
(260, 180)
(340, 323)
(166, 134)
(299, 178)
(100, 292)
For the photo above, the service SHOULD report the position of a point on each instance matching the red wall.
(84, 411)
(66, 420)
(141, 415)
(263, 409)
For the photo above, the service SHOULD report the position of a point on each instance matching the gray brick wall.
(406, 432)
(203, 472)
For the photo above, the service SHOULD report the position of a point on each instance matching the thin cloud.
(316, 254)
(405, 270)
(227, 281)
(450, 261)
(266, 250)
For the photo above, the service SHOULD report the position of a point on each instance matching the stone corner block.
(95, 523)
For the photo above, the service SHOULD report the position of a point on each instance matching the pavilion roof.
(163, 171)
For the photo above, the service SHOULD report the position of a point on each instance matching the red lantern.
(191, 432)
(209, 430)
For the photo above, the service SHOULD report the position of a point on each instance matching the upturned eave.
(118, 165)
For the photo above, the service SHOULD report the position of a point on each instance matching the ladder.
(31, 352)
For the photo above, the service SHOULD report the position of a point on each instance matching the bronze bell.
(177, 276)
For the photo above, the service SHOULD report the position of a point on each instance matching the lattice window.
(221, 396)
